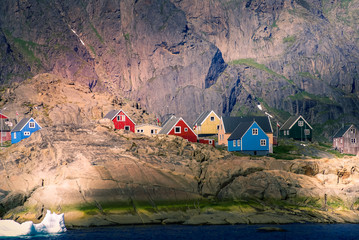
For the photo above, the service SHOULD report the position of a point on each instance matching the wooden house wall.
(349, 147)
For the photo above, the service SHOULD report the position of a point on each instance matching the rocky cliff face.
(183, 57)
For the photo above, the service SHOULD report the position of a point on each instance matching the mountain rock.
(183, 57)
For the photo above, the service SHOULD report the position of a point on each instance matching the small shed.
(345, 140)
(24, 129)
(121, 120)
(148, 129)
(296, 128)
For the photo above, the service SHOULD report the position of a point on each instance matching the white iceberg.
(52, 223)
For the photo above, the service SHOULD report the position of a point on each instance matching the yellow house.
(148, 129)
(207, 123)
(229, 124)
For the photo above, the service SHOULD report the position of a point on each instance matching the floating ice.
(52, 223)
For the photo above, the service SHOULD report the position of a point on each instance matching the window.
(152, 131)
(212, 119)
(177, 129)
(3, 134)
(26, 133)
(138, 130)
(217, 127)
(341, 140)
(127, 128)
(284, 133)
(263, 142)
(353, 140)
(210, 142)
(14, 135)
(121, 118)
(234, 143)
(352, 130)
(31, 125)
(255, 131)
(186, 129)
(306, 132)
(238, 143)
(141, 130)
(300, 123)
(287, 132)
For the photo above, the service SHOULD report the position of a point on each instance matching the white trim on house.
(125, 114)
(27, 133)
(208, 116)
(300, 116)
(177, 128)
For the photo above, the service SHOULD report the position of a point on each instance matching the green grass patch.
(26, 48)
(96, 33)
(307, 75)
(252, 63)
(290, 39)
(284, 151)
(305, 95)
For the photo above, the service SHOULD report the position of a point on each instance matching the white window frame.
(212, 119)
(14, 135)
(127, 126)
(352, 130)
(234, 143)
(300, 123)
(255, 131)
(287, 132)
(31, 125)
(121, 118)
(306, 132)
(186, 129)
(238, 143)
(177, 129)
(27, 133)
(353, 140)
(263, 142)
(210, 141)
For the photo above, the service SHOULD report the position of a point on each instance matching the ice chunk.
(52, 223)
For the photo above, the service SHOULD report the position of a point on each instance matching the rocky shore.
(79, 165)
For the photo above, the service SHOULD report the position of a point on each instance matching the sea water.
(238, 232)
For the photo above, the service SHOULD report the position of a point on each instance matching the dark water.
(240, 232)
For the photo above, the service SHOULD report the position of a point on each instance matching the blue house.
(24, 129)
(249, 138)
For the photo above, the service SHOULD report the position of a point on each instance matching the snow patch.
(52, 223)
(78, 36)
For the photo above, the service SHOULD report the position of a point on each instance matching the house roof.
(291, 121)
(169, 124)
(342, 131)
(203, 116)
(113, 113)
(240, 130)
(22, 124)
(231, 123)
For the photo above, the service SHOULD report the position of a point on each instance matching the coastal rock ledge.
(100, 176)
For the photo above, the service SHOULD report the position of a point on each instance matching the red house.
(178, 127)
(5, 127)
(121, 120)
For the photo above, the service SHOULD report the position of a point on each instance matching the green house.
(296, 128)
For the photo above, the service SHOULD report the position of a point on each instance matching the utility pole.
(1, 124)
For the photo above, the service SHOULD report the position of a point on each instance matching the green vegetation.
(305, 95)
(126, 36)
(274, 24)
(26, 48)
(92, 50)
(286, 152)
(290, 39)
(97, 34)
(250, 62)
(307, 75)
